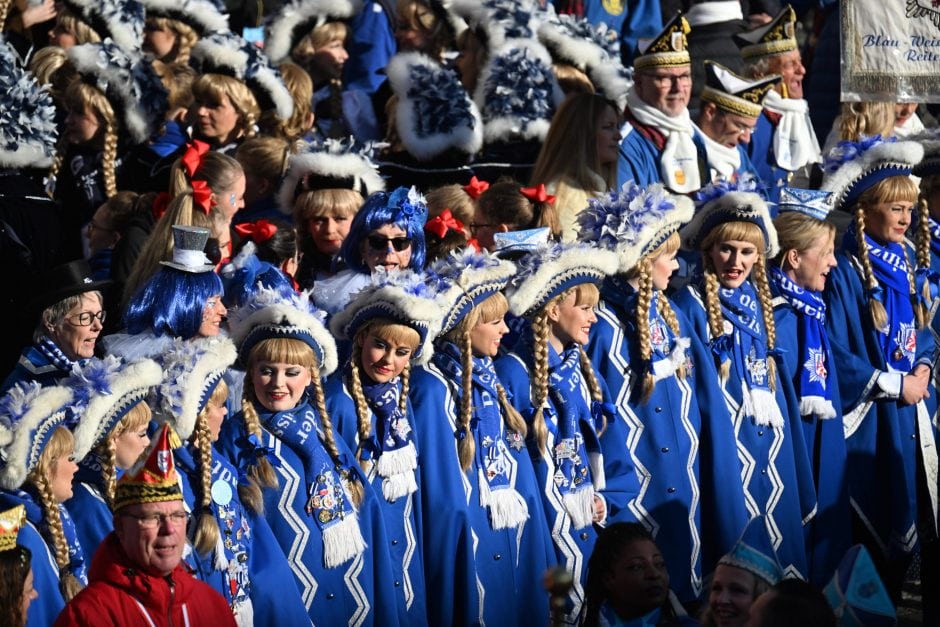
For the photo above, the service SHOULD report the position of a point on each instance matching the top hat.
(189, 245)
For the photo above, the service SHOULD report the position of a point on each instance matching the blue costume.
(371, 45)
(308, 504)
(775, 469)
(42, 362)
(402, 515)
(88, 507)
(680, 441)
(640, 153)
(633, 19)
(475, 573)
(760, 151)
(749, 169)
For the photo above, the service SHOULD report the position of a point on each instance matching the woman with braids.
(798, 276)
(17, 591)
(731, 312)
(391, 326)
(669, 450)
(485, 540)
(110, 396)
(296, 472)
(234, 550)
(36, 472)
(875, 321)
(553, 385)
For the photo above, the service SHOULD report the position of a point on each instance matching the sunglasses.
(380, 243)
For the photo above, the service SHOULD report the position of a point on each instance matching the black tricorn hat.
(68, 279)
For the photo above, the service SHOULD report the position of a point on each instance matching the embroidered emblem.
(163, 460)
(906, 340)
(515, 440)
(757, 368)
(816, 366)
(659, 339)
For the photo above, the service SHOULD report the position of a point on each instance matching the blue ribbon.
(877, 292)
(250, 454)
(599, 409)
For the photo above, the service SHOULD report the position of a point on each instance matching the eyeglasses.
(380, 243)
(87, 318)
(661, 80)
(153, 521)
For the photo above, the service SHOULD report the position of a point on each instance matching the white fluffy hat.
(851, 168)
(119, 20)
(721, 202)
(463, 280)
(203, 16)
(29, 415)
(297, 18)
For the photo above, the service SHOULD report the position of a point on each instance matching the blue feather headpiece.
(27, 117)
(634, 221)
(725, 201)
(119, 20)
(463, 280)
(29, 415)
(246, 273)
(495, 21)
(851, 168)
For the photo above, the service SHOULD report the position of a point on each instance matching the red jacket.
(119, 594)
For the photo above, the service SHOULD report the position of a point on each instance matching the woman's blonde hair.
(70, 23)
(453, 197)
(344, 203)
(419, 15)
(185, 37)
(572, 80)
(212, 88)
(178, 80)
(80, 96)
(265, 157)
(207, 527)
(136, 418)
(50, 67)
(798, 231)
(300, 86)
(866, 119)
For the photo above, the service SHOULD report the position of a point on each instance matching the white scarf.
(795, 143)
(723, 160)
(912, 126)
(678, 165)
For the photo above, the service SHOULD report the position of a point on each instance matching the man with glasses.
(137, 576)
(661, 145)
(730, 107)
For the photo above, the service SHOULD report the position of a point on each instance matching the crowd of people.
(469, 312)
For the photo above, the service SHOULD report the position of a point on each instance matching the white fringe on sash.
(762, 404)
(220, 562)
(596, 462)
(399, 485)
(245, 614)
(580, 506)
(342, 541)
(507, 507)
(817, 406)
(397, 467)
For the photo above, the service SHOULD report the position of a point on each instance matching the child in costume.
(671, 429)
(484, 530)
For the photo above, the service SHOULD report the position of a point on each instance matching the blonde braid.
(922, 248)
(767, 310)
(466, 446)
(512, 417)
(587, 371)
(644, 298)
(251, 492)
(207, 527)
(920, 313)
(716, 320)
(107, 453)
(363, 414)
(108, 157)
(875, 308)
(539, 378)
(329, 437)
(68, 583)
(405, 378)
(59, 158)
(667, 314)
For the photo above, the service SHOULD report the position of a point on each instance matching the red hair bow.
(537, 194)
(192, 158)
(475, 187)
(439, 225)
(202, 196)
(260, 231)
(160, 204)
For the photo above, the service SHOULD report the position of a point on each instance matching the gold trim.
(662, 59)
(730, 103)
(768, 48)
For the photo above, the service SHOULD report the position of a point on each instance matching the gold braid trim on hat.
(731, 104)
(768, 48)
(135, 493)
(662, 59)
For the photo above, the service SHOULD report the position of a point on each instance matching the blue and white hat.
(105, 390)
(335, 164)
(930, 164)
(634, 221)
(189, 245)
(27, 116)
(754, 552)
(270, 314)
(192, 370)
(851, 168)
(128, 82)
(242, 277)
(723, 201)
(496, 21)
(403, 297)
(203, 16)
(815, 203)
(228, 54)
(513, 244)
(856, 593)
(29, 415)
(434, 113)
(544, 274)
(119, 20)
(297, 18)
(463, 280)
(517, 92)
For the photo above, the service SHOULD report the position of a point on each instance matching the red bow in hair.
(439, 225)
(202, 196)
(260, 231)
(192, 158)
(475, 187)
(160, 204)
(537, 194)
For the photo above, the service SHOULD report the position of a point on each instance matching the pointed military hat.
(154, 480)
(733, 93)
(670, 48)
(10, 522)
(776, 37)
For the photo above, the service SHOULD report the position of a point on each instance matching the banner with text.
(891, 50)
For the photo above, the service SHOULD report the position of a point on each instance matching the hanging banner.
(891, 50)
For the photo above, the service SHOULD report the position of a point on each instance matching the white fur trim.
(580, 507)
(817, 406)
(241, 260)
(468, 139)
(296, 19)
(679, 216)
(342, 541)
(25, 156)
(463, 286)
(211, 56)
(122, 32)
(581, 53)
(272, 83)
(46, 411)
(200, 15)
(750, 205)
(612, 81)
(326, 163)
(908, 153)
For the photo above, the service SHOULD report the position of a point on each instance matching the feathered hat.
(736, 94)
(105, 390)
(27, 118)
(189, 245)
(402, 297)
(272, 315)
(856, 593)
(670, 48)
(517, 92)
(495, 21)
(723, 201)
(193, 369)
(815, 203)
(930, 164)
(29, 415)
(297, 18)
(127, 81)
(634, 221)
(228, 54)
(11, 521)
(244, 274)
(119, 20)
(754, 552)
(335, 164)
(434, 113)
(154, 479)
(851, 168)
(775, 37)
(463, 280)
(203, 16)
(544, 274)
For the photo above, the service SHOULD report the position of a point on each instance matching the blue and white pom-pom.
(27, 117)
(496, 21)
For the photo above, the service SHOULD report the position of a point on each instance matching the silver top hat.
(189, 244)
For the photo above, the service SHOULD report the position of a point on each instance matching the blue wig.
(172, 303)
(404, 208)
